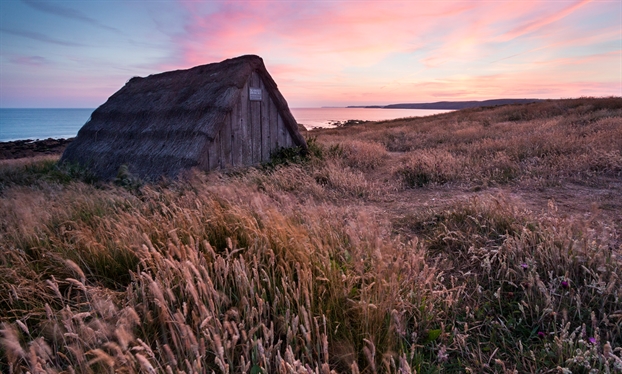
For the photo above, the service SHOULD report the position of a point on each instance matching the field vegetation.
(484, 240)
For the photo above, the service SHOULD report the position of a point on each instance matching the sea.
(21, 124)
(329, 117)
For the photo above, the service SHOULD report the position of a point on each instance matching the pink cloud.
(541, 22)
(29, 60)
(612, 57)
(344, 50)
(336, 32)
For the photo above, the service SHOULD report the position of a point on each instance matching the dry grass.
(220, 278)
(329, 264)
(543, 144)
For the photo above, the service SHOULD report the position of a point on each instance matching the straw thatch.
(164, 123)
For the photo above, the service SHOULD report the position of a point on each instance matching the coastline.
(29, 148)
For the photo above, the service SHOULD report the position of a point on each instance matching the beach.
(30, 148)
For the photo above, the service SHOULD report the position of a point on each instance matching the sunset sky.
(321, 53)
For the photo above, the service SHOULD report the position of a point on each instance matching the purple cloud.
(40, 37)
(74, 14)
(29, 60)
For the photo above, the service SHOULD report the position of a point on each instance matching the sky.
(76, 53)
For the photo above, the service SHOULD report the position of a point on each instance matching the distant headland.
(450, 104)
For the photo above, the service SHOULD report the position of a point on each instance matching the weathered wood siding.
(250, 133)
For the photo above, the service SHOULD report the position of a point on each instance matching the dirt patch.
(31, 148)
(597, 204)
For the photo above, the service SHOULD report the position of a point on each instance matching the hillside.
(481, 240)
(453, 105)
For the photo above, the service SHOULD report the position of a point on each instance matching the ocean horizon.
(41, 123)
(57, 123)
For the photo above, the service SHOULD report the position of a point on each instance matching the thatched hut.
(214, 116)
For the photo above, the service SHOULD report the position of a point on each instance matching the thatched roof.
(161, 124)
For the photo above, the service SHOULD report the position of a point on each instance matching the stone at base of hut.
(30, 148)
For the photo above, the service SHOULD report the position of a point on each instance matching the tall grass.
(541, 144)
(308, 266)
(219, 280)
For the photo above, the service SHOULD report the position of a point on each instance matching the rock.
(31, 148)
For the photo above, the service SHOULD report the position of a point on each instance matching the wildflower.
(541, 335)
(524, 265)
(565, 284)
(442, 355)
(592, 340)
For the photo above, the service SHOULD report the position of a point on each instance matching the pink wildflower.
(565, 284)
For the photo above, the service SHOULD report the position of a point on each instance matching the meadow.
(485, 240)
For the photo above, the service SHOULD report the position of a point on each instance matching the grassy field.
(485, 240)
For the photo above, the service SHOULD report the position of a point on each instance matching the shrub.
(420, 168)
(41, 169)
(363, 155)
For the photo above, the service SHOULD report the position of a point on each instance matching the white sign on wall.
(255, 94)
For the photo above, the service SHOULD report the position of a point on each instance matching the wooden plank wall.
(265, 125)
(274, 128)
(240, 129)
(227, 138)
(255, 120)
(251, 132)
(214, 153)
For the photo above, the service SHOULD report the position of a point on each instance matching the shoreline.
(28, 148)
